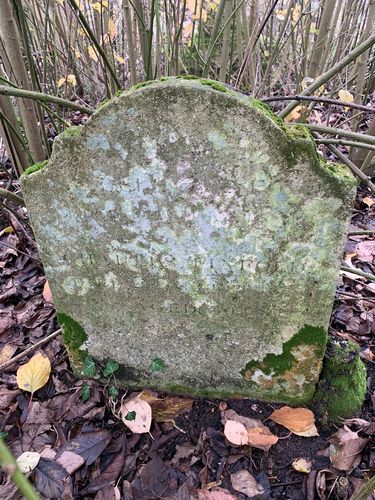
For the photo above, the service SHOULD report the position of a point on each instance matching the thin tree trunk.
(324, 27)
(11, 41)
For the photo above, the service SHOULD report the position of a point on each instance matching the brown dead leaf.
(313, 431)
(168, 408)
(345, 448)
(70, 461)
(47, 295)
(261, 437)
(258, 435)
(245, 483)
(215, 494)
(294, 419)
(366, 250)
(368, 201)
(6, 352)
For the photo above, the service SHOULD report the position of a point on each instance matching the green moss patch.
(73, 336)
(342, 388)
(278, 364)
(35, 167)
(256, 103)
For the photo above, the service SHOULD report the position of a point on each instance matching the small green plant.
(157, 365)
(85, 392)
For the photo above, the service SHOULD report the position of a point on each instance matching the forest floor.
(185, 456)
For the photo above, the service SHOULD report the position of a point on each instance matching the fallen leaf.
(258, 435)
(48, 478)
(167, 408)
(6, 352)
(245, 483)
(302, 465)
(215, 494)
(111, 30)
(313, 431)
(47, 295)
(142, 413)
(236, 433)
(345, 96)
(89, 445)
(34, 374)
(28, 461)
(366, 250)
(261, 437)
(368, 201)
(294, 419)
(119, 58)
(92, 53)
(70, 461)
(345, 447)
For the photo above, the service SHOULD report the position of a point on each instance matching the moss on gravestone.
(35, 167)
(342, 388)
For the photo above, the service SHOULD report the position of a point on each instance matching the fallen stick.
(27, 351)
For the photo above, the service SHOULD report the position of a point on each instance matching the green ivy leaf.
(157, 365)
(113, 391)
(3, 435)
(85, 392)
(110, 368)
(131, 416)
(89, 368)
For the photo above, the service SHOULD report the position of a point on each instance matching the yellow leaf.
(61, 81)
(294, 419)
(72, 80)
(77, 53)
(111, 30)
(7, 230)
(366, 200)
(302, 465)
(296, 13)
(60, 2)
(92, 53)
(280, 14)
(345, 96)
(313, 29)
(99, 6)
(118, 58)
(295, 114)
(34, 374)
(28, 461)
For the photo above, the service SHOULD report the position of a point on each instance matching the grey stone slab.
(195, 240)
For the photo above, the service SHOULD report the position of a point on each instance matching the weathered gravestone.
(188, 235)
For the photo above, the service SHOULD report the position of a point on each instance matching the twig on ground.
(358, 272)
(4, 193)
(369, 232)
(27, 351)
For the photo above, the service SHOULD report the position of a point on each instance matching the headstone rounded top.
(185, 222)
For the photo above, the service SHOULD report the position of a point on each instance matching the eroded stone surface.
(182, 223)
